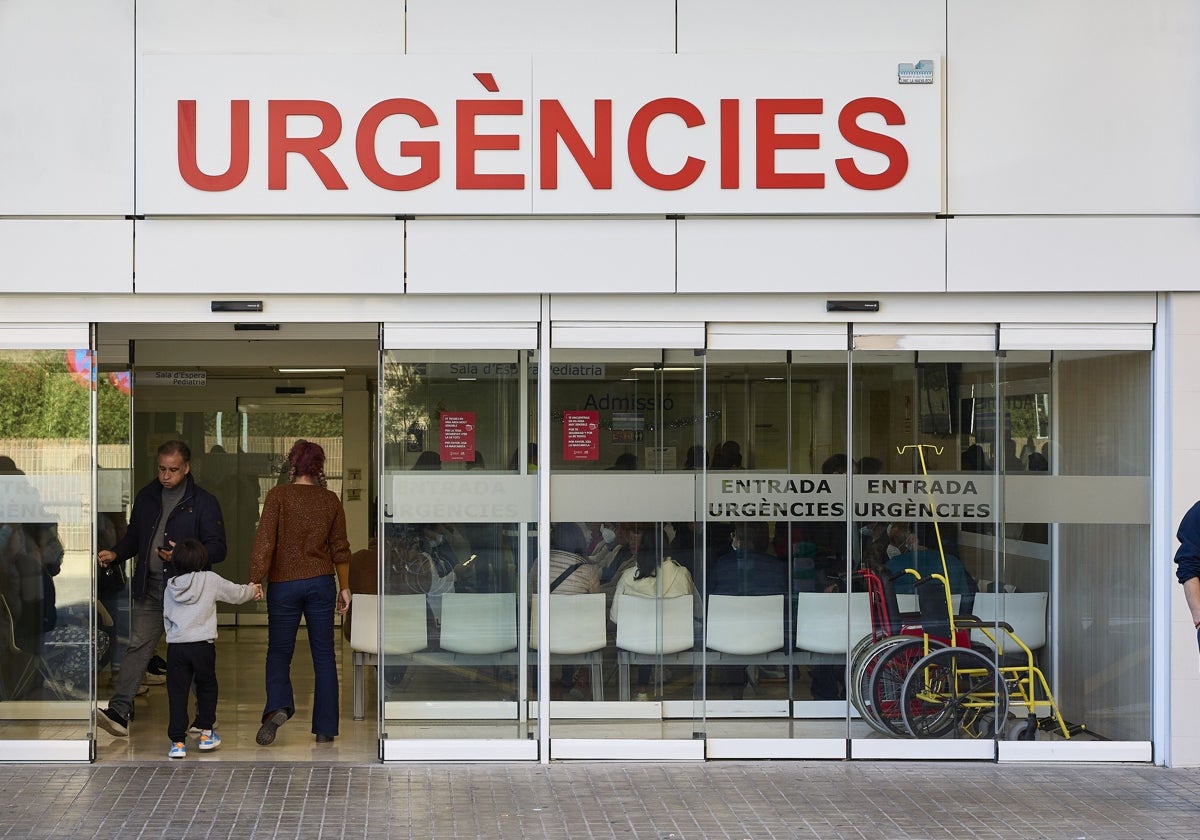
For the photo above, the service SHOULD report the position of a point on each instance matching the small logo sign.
(920, 73)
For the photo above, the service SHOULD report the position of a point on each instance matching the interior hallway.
(241, 654)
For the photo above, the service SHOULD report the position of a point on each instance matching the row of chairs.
(480, 629)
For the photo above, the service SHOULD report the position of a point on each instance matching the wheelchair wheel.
(953, 689)
(860, 675)
(1023, 730)
(861, 647)
(886, 682)
(860, 678)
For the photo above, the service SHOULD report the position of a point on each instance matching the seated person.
(606, 550)
(747, 570)
(927, 560)
(899, 539)
(364, 576)
(570, 572)
(649, 578)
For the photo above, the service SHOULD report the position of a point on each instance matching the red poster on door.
(458, 436)
(581, 435)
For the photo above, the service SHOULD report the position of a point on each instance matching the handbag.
(110, 580)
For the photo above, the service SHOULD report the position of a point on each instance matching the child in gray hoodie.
(190, 619)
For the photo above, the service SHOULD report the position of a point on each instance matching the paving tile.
(790, 800)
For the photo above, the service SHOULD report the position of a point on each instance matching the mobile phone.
(166, 547)
(470, 560)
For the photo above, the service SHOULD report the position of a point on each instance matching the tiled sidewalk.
(588, 800)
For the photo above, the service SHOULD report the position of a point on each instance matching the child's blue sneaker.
(178, 750)
(209, 740)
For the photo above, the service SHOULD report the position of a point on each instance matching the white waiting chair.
(1025, 612)
(821, 623)
(745, 625)
(650, 631)
(479, 623)
(578, 633)
(405, 631)
(907, 602)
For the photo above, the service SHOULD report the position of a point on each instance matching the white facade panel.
(530, 256)
(47, 336)
(750, 336)
(1072, 254)
(960, 337)
(242, 257)
(898, 308)
(526, 26)
(298, 26)
(1124, 337)
(66, 255)
(625, 334)
(836, 256)
(424, 335)
(762, 133)
(506, 135)
(66, 137)
(329, 134)
(785, 25)
(1076, 106)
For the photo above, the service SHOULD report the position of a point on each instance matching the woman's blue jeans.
(288, 601)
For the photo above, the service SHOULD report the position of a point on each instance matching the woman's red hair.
(307, 458)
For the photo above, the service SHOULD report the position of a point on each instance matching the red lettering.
(239, 147)
(555, 124)
(639, 155)
(889, 147)
(469, 142)
(768, 142)
(280, 145)
(428, 152)
(731, 144)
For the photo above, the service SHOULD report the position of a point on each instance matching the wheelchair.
(925, 679)
(920, 676)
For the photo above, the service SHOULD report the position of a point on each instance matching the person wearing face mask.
(606, 551)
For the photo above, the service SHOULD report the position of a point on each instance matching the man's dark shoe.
(157, 665)
(112, 722)
(324, 739)
(266, 732)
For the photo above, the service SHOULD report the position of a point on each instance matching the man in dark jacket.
(168, 510)
(1187, 561)
(748, 570)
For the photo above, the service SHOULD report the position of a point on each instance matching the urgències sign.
(493, 135)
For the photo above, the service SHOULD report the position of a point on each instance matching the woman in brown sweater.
(300, 544)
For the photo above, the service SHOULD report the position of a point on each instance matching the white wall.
(1070, 130)
(270, 256)
(1184, 449)
(66, 255)
(1070, 166)
(488, 27)
(66, 134)
(295, 26)
(1073, 106)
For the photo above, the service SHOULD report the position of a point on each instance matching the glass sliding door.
(776, 542)
(627, 553)
(923, 502)
(1072, 577)
(53, 639)
(459, 540)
